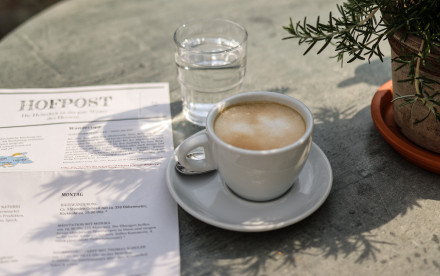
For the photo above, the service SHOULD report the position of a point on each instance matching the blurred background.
(15, 12)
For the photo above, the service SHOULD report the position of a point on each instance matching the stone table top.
(383, 214)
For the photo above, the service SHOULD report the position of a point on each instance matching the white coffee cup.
(257, 175)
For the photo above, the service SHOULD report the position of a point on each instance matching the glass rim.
(185, 25)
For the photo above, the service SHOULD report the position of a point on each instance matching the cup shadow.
(372, 185)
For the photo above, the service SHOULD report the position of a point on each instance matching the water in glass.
(209, 70)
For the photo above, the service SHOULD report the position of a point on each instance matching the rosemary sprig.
(359, 29)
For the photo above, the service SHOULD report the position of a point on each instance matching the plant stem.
(373, 40)
(402, 97)
(346, 29)
(417, 72)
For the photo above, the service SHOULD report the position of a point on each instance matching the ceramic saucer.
(208, 199)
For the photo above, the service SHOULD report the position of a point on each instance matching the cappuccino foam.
(259, 125)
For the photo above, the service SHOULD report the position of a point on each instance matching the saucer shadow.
(360, 202)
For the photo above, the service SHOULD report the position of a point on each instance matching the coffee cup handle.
(196, 165)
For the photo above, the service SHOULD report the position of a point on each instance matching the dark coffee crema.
(259, 125)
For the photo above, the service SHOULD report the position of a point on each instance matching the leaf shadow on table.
(101, 191)
(343, 228)
(88, 242)
(374, 72)
(372, 186)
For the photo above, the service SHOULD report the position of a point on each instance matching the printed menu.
(82, 181)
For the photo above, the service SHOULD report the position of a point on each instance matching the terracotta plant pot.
(427, 133)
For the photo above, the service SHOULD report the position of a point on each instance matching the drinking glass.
(211, 64)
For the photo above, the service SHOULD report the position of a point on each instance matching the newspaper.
(82, 181)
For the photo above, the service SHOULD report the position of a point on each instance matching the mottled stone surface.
(383, 214)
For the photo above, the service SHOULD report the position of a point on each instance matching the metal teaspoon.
(196, 155)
